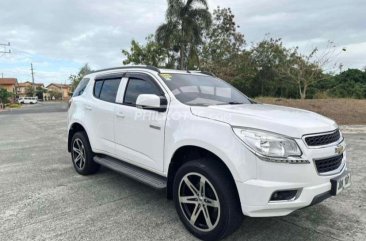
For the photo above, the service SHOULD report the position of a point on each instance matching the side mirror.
(151, 102)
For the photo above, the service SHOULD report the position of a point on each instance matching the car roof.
(149, 69)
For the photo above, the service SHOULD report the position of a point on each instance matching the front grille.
(321, 140)
(328, 164)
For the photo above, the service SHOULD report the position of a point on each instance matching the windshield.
(203, 90)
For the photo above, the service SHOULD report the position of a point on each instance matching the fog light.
(284, 195)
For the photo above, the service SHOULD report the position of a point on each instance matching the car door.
(100, 113)
(139, 133)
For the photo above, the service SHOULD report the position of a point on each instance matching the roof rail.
(131, 67)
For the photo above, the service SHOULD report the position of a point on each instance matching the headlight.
(268, 144)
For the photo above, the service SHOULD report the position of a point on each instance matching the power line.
(5, 51)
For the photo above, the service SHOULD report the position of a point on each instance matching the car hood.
(283, 120)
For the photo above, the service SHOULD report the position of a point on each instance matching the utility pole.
(34, 90)
(2, 52)
(5, 51)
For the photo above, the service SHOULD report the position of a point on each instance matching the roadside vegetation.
(194, 38)
(13, 105)
(5, 96)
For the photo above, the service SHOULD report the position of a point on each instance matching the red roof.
(8, 81)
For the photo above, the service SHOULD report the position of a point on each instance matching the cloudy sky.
(59, 36)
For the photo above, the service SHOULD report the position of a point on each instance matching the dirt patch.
(343, 111)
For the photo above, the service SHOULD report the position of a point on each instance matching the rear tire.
(82, 154)
(206, 199)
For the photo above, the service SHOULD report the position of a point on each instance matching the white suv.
(218, 154)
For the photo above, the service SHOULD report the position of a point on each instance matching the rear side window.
(107, 89)
(97, 87)
(81, 87)
(136, 87)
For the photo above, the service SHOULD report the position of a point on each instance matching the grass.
(343, 111)
(13, 105)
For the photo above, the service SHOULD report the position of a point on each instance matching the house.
(22, 87)
(64, 89)
(10, 84)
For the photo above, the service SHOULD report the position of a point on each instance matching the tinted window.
(81, 87)
(97, 87)
(109, 90)
(136, 87)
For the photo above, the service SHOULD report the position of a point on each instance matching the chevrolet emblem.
(339, 149)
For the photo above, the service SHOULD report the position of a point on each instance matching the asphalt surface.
(43, 198)
(40, 107)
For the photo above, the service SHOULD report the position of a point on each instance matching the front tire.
(82, 155)
(206, 199)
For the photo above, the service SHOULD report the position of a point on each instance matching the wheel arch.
(190, 152)
(75, 127)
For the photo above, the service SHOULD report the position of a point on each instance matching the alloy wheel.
(78, 152)
(199, 202)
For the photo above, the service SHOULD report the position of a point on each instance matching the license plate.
(340, 183)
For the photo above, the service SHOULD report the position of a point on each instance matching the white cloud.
(61, 35)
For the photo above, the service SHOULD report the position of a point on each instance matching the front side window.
(106, 89)
(136, 87)
(203, 90)
(81, 87)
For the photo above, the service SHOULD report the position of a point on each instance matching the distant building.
(22, 87)
(64, 89)
(10, 84)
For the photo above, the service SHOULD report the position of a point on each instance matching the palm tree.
(185, 21)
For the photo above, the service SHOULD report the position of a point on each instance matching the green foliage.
(149, 54)
(13, 105)
(29, 91)
(183, 30)
(223, 48)
(5, 96)
(39, 92)
(56, 94)
(191, 38)
(349, 83)
(75, 79)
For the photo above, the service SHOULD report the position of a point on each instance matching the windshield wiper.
(231, 103)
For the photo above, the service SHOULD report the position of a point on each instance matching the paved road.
(42, 197)
(40, 107)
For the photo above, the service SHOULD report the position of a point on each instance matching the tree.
(5, 96)
(40, 91)
(57, 95)
(268, 56)
(29, 91)
(185, 22)
(307, 69)
(75, 79)
(223, 45)
(151, 53)
(349, 83)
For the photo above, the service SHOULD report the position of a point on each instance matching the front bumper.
(255, 194)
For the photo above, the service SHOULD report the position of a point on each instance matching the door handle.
(88, 107)
(155, 127)
(120, 115)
